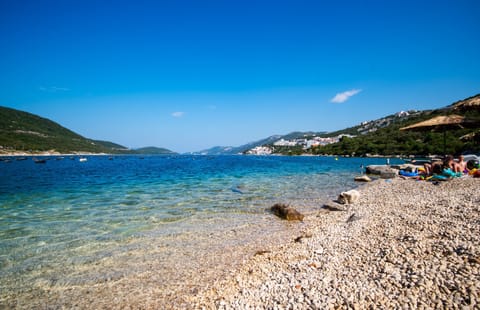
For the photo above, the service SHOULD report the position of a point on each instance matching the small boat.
(82, 159)
(39, 161)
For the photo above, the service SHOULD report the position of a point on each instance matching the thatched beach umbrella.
(469, 104)
(443, 123)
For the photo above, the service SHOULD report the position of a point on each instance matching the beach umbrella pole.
(444, 143)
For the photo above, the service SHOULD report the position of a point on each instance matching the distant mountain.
(232, 150)
(26, 132)
(152, 150)
(243, 148)
(112, 146)
(216, 150)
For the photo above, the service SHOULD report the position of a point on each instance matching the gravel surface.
(404, 244)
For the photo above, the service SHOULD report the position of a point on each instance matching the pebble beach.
(404, 244)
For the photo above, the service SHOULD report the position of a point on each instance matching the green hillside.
(152, 150)
(390, 140)
(384, 137)
(27, 132)
(22, 131)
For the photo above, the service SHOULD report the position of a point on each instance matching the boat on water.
(39, 161)
(82, 159)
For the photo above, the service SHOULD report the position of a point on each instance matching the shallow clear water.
(65, 214)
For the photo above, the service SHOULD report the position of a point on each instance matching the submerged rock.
(286, 212)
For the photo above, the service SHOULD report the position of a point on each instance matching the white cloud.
(178, 114)
(53, 89)
(342, 97)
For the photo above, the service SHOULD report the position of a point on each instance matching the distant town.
(309, 141)
(304, 143)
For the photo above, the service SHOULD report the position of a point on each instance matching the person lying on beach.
(433, 167)
(449, 163)
(460, 165)
(442, 170)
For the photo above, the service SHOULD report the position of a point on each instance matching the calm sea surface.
(69, 223)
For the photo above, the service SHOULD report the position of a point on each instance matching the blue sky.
(188, 75)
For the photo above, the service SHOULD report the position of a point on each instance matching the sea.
(174, 222)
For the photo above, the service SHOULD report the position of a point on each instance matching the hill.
(216, 150)
(26, 132)
(384, 137)
(233, 150)
(152, 150)
(390, 140)
(112, 146)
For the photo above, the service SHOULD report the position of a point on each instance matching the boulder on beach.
(286, 212)
(362, 178)
(385, 171)
(348, 197)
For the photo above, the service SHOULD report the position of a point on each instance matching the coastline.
(40, 154)
(404, 243)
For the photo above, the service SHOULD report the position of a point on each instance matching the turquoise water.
(65, 214)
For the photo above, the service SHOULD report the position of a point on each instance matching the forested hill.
(390, 140)
(26, 132)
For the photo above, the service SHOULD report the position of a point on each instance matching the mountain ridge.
(29, 133)
(25, 132)
(233, 150)
(383, 134)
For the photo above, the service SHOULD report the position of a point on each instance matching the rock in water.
(285, 212)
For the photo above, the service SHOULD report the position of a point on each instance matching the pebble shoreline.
(404, 244)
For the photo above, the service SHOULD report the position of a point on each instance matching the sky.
(189, 75)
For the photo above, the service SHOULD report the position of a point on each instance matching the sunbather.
(435, 167)
(460, 165)
(448, 168)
